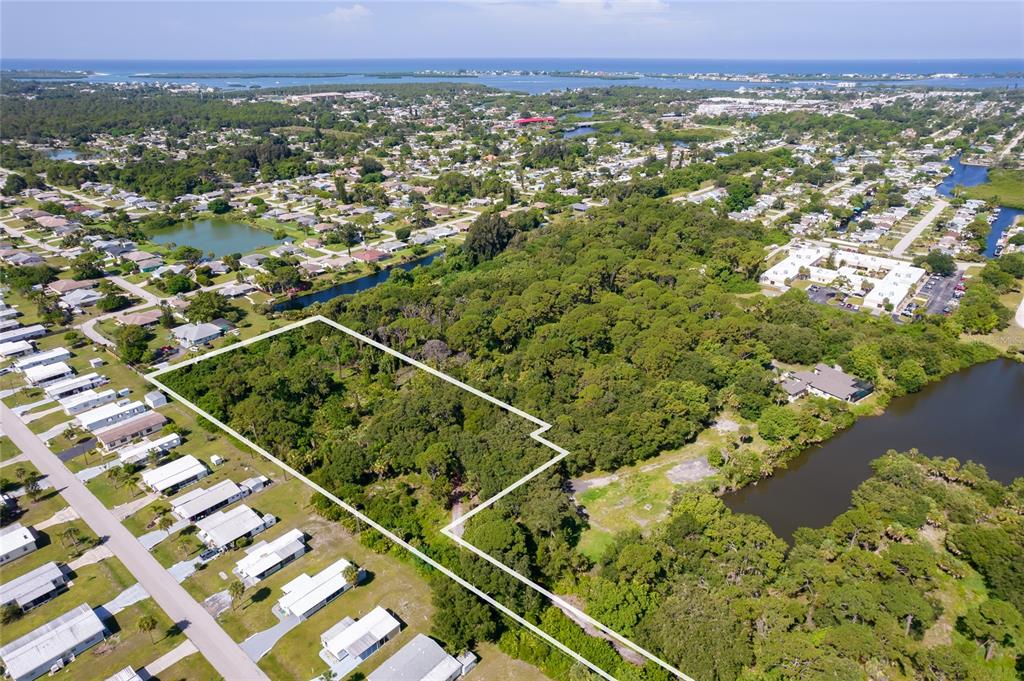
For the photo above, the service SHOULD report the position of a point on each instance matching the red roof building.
(536, 119)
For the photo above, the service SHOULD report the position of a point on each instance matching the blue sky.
(826, 29)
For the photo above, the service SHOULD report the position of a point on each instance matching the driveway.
(213, 642)
(259, 644)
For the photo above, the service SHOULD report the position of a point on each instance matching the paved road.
(900, 248)
(216, 646)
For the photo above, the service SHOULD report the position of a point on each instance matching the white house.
(267, 557)
(74, 385)
(360, 639)
(421, 659)
(48, 373)
(86, 400)
(124, 432)
(174, 475)
(35, 587)
(304, 595)
(142, 450)
(223, 528)
(199, 503)
(109, 414)
(53, 645)
(15, 542)
(42, 359)
(188, 335)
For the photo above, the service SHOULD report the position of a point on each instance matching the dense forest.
(631, 330)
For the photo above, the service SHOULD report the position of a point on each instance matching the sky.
(288, 29)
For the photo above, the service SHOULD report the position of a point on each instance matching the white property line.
(542, 426)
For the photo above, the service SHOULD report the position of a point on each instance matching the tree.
(164, 522)
(9, 613)
(351, 573)
(778, 423)
(403, 233)
(205, 306)
(489, 235)
(133, 343)
(149, 624)
(938, 262)
(993, 623)
(910, 376)
(15, 184)
(87, 266)
(236, 590)
(218, 206)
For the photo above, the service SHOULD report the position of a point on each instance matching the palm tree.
(164, 522)
(236, 590)
(71, 535)
(149, 624)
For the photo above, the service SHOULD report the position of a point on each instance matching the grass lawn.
(50, 548)
(1004, 187)
(49, 502)
(1010, 337)
(7, 449)
(636, 496)
(127, 645)
(495, 665)
(94, 584)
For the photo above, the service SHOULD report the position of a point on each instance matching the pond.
(974, 414)
(582, 130)
(217, 235)
(350, 287)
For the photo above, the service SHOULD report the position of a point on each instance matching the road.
(216, 646)
(1009, 147)
(1020, 315)
(923, 224)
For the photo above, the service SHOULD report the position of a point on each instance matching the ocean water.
(235, 74)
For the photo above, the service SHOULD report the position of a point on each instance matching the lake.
(219, 235)
(974, 414)
(582, 130)
(351, 287)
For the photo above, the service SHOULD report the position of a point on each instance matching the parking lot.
(939, 291)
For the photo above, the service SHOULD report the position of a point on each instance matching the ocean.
(498, 73)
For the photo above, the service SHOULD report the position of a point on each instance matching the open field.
(1004, 187)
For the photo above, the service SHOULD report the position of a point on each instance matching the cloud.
(347, 14)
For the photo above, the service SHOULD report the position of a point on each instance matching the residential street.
(901, 248)
(216, 646)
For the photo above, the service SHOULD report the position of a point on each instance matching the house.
(155, 399)
(144, 318)
(42, 359)
(173, 475)
(201, 502)
(304, 595)
(391, 246)
(223, 528)
(83, 297)
(109, 414)
(47, 374)
(254, 260)
(23, 333)
(421, 659)
(369, 255)
(35, 587)
(86, 400)
(124, 432)
(236, 290)
(267, 557)
(188, 335)
(62, 286)
(74, 385)
(16, 541)
(16, 348)
(126, 674)
(360, 639)
(828, 382)
(53, 645)
(142, 450)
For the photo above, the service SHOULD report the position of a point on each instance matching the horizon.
(506, 29)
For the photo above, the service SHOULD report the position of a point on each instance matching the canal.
(970, 176)
(217, 235)
(351, 287)
(975, 414)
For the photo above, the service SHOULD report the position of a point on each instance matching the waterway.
(520, 75)
(351, 287)
(972, 415)
(966, 175)
(217, 235)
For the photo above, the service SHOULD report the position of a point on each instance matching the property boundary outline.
(447, 530)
